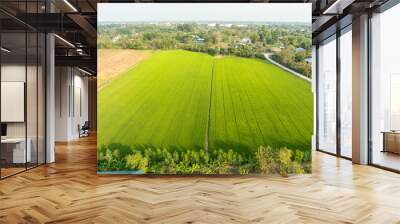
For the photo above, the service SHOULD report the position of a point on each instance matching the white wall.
(12, 73)
(71, 87)
(62, 81)
(13, 101)
(33, 126)
(79, 117)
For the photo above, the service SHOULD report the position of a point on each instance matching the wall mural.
(204, 89)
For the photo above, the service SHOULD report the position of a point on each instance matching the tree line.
(289, 43)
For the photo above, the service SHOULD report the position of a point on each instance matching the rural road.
(207, 140)
(268, 57)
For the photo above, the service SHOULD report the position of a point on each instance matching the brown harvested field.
(112, 62)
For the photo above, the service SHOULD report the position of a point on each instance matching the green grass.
(164, 102)
(256, 103)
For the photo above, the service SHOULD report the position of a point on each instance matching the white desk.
(19, 154)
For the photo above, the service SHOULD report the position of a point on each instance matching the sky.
(203, 12)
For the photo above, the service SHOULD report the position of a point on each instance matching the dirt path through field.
(113, 62)
(207, 140)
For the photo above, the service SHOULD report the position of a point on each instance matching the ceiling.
(75, 21)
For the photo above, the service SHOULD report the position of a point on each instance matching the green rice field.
(181, 99)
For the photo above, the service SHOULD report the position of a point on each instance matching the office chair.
(84, 130)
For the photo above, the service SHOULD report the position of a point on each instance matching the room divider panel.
(22, 77)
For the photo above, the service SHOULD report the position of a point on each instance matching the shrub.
(110, 160)
(266, 160)
(298, 156)
(270, 161)
(137, 162)
(285, 161)
(212, 51)
(244, 170)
